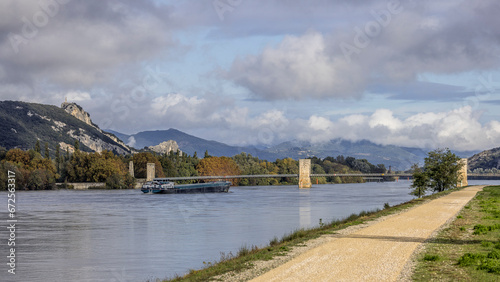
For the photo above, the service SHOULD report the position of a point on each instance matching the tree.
(140, 165)
(206, 154)
(35, 172)
(47, 154)
(37, 146)
(58, 157)
(218, 166)
(441, 168)
(3, 153)
(420, 181)
(77, 145)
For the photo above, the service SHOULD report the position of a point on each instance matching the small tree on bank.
(440, 172)
(420, 182)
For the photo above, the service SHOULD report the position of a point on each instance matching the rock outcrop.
(97, 145)
(165, 147)
(77, 111)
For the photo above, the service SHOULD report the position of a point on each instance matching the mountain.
(189, 143)
(22, 124)
(486, 160)
(399, 158)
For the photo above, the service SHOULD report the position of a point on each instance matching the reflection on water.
(304, 208)
(128, 236)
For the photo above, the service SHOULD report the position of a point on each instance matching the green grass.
(469, 249)
(279, 247)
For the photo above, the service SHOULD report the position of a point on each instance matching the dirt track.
(375, 253)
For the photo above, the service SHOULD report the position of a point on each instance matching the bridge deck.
(365, 175)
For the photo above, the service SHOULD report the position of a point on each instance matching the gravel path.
(378, 252)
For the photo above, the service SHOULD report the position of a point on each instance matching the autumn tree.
(250, 165)
(288, 166)
(141, 161)
(18, 157)
(34, 172)
(98, 167)
(218, 166)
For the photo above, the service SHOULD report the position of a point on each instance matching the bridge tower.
(150, 174)
(131, 168)
(305, 173)
(462, 174)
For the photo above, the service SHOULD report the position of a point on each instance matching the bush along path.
(469, 248)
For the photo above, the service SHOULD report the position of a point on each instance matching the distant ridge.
(187, 143)
(22, 124)
(399, 158)
(487, 159)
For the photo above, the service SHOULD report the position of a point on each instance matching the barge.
(163, 186)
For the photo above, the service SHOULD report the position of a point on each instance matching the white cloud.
(384, 118)
(456, 129)
(131, 141)
(459, 37)
(77, 96)
(298, 67)
(175, 103)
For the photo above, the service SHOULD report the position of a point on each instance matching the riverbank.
(468, 249)
(252, 261)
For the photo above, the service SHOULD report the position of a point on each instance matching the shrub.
(471, 259)
(428, 257)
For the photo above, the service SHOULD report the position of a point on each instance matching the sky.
(402, 72)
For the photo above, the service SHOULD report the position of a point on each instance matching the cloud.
(78, 43)
(387, 46)
(299, 67)
(131, 141)
(458, 129)
(77, 96)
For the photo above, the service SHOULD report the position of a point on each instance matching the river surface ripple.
(124, 235)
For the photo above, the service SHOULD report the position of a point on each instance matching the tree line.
(39, 169)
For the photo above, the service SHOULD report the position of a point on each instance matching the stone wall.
(87, 185)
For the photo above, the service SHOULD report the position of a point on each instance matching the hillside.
(189, 143)
(22, 124)
(486, 160)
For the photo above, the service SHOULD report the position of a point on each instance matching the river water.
(124, 235)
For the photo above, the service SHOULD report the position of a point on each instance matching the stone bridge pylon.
(305, 173)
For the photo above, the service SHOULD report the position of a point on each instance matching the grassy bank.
(469, 249)
(245, 257)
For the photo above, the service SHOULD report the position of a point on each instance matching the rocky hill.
(22, 124)
(165, 147)
(189, 143)
(486, 160)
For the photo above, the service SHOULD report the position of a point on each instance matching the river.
(124, 235)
